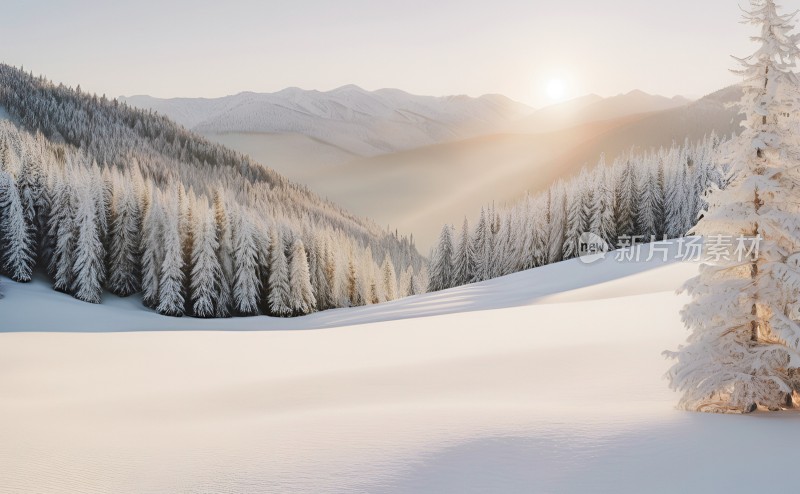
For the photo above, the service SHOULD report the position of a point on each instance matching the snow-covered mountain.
(364, 123)
(593, 108)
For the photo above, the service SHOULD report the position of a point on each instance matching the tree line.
(102, 196)
(638, 197)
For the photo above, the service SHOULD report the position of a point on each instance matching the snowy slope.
(546, 381)
(361, 122)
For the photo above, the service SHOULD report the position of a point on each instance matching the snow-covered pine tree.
(482, 248)
(280, 303)
(353, 282)
(16, 233)
(301, 295)
(464, 258)
(124, 254)
(331, 269)
(607, 228)
(558, 218)
(172, 293)
(152, 249)
(441, 269)
(246, 281)
(676, 196)
(647, 206)
(743, 348)
(224, 255)
(389, 279)
(206, 271)
(322, 282)
(62, 231)
(88, 270)
(539, 227)
(574, 221)
(624, 200)
(186, 205)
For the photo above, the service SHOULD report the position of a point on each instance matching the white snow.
(544, 381)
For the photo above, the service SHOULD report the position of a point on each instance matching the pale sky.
(436, 47)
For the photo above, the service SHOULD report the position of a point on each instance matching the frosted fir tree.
(482, 248)
(574, 222)
(743, 348)
(558, 218)
(88, 270)
(152, 249)
(301, 295)
(62, 233)
(624, 199)
(246, 280)
(389, 278)
(441, 269)
(604, 196)
(124, 254)
(171, 289)
(224, 252)
(647, 205)
(279, 291)
(677, 202)
(206, 271)
(464, 257)
(16, 234)
(322, 282)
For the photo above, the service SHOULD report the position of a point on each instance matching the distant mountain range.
(359, 122)
(415, 162)
(593, 108)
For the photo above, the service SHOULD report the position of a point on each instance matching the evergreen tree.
(574, 222)
(124, 254)
(172, 293)
(63, 234)
(743, 348)
(464, 262)
(152, 249)
(16, 234)
(301, 294)
(482, 248)
(624, 199)
(389, 279)
(280, 303)
(224, 254)
(247, 282)
(442, 263)
(88, 271)
(206, 271)
(558, 218)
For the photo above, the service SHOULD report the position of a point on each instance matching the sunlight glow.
(556, 89)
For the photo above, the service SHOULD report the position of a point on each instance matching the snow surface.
(545, 381)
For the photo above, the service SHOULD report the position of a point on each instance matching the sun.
(556, 89)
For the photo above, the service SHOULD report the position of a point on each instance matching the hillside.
(529, 382)
(107, 196)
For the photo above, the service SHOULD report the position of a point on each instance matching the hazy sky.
(514, 47)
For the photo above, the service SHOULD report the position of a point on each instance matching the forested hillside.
(637, 199)
(102, 195)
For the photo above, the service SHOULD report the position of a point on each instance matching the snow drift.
(549, 380)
